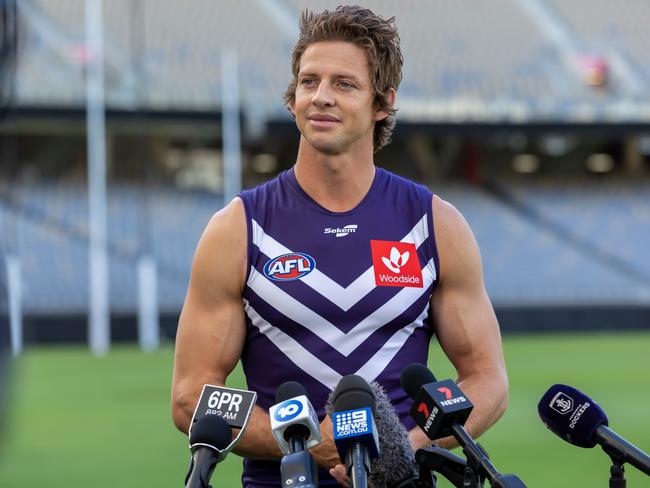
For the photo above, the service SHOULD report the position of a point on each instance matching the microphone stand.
(616, 471)
(432, 459)
(298, 469)
(359, 460)
(478, 462)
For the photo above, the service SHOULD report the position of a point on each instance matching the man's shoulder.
(448, 219)
(269, 185)
(402, 180)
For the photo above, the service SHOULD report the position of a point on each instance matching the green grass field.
(76, 420)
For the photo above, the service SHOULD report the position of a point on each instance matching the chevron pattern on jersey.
(345, 343)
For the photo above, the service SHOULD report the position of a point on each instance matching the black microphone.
(355, 432)
(209, 438)
(218, 409)
(296, 428)
(440, 409)
(395, 467)
(579, 420)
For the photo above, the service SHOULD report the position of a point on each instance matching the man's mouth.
(323, 118)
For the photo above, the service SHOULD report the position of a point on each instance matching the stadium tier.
(526, 262)
(492, 60)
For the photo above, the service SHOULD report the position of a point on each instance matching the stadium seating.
(526, 263)
(462, 61)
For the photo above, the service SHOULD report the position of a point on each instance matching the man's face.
(333, 105)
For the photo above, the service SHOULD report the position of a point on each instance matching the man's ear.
(392, 96)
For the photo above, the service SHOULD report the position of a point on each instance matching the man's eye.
(307, 81)
(345, 84)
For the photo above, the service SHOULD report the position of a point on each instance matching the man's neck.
(337, 183)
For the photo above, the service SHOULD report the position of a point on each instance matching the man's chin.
(331, 148)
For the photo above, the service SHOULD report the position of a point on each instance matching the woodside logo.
(396, 264)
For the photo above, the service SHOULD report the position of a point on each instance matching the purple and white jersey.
(335, 293)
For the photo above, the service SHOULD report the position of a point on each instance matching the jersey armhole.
(249, 237)
(432, 240)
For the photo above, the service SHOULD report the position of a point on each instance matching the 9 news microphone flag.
(355, 433)
(296, 428)
(579, 420)
(217, 411)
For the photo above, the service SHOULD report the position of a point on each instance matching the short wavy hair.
(377, 37)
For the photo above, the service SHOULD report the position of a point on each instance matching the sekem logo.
(341, 231)
(396, 264)
(289, 266)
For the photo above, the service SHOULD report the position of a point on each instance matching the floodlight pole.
(230, 109)
(98, 278)
(14, 289)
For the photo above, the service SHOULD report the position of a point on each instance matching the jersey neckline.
(290, 178)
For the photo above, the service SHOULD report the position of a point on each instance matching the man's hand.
(325, 453)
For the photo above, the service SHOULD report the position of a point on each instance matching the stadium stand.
(525, 263)
(499, 65)
(480, 66)
(623, 29)
(48, 225)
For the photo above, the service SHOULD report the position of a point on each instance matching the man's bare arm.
(466, 326)
(212, 327)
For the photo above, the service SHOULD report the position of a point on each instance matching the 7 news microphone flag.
(296, 428)
(440, 408)
(218, 410)
(579, 420)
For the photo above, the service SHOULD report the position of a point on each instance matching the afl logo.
(289, 266)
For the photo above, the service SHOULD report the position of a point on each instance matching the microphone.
(440, 409)
(579, 420)
(209, 440)
(396, 466)
(294, 422)
(296, 428)
(355, 432)
(217, 411)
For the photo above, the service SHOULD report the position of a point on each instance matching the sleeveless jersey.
(335, 293)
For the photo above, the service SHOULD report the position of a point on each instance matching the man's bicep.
(211, 328)
(467, 331)
(466, 325)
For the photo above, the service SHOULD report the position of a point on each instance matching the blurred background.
(125, 124)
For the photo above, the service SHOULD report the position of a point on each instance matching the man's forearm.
(258, 441)
(489, 395)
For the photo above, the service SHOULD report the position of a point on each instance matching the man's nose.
(323, 96)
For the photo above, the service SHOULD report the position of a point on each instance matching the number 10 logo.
(288, 410)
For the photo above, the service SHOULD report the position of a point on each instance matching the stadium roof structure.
(465, 61)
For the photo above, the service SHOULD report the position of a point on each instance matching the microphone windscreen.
(289, 389)
(571, 415)
(211, 430)
(396, 461)
(352, 392)
(414, 377)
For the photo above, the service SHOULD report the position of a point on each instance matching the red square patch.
(396, 264)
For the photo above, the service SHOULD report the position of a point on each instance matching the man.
(336, 267)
